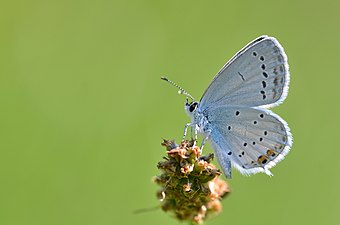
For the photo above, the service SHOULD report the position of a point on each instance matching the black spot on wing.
(241, 76)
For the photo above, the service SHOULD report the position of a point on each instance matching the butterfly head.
(190, 108)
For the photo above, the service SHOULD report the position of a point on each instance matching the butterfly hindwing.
(253, 139)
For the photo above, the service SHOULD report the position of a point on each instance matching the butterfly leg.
(195, 136)
(205, 138)
(193, 132)
(186, 129)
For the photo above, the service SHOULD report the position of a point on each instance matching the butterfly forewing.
(256, 76)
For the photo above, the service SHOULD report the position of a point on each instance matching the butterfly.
(233, 113)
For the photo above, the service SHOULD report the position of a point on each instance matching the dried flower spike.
(191, 187)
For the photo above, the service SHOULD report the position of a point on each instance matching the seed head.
(190, 185)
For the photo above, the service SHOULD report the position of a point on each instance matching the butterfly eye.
(193, 106)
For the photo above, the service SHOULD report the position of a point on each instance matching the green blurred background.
(83, 109)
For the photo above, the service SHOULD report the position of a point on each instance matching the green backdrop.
(83, 109)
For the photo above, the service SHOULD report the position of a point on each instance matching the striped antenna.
(181, 90)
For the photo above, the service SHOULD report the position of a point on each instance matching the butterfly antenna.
(181, 90)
